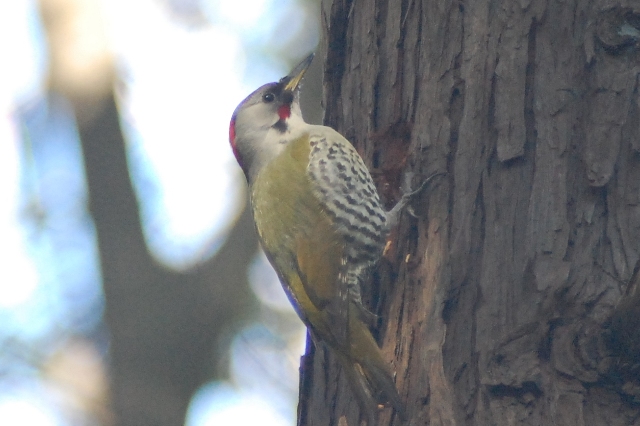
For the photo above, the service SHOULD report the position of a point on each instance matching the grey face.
(266, 109)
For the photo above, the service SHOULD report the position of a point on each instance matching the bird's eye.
(268, 97)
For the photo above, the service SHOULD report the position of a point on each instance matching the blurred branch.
(81, 64)
(164, 325)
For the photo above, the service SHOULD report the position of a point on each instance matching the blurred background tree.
(133, 289)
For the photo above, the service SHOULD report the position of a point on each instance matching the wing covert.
(346, 192)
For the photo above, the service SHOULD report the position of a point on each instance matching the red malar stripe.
(284, 112)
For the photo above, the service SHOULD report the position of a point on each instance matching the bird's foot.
(394, 215)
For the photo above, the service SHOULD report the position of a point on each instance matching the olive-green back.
(296, 234)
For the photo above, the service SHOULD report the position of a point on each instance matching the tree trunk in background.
(505, 301)
(165, 326)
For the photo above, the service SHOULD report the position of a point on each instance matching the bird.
(321, 224)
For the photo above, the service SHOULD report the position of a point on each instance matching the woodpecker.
(320, 223)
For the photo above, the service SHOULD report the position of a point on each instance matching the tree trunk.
(505, 300)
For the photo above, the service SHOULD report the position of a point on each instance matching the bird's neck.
(275, 140)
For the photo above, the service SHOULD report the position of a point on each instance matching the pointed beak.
(292, 81)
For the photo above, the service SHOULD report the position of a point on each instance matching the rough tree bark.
(505, 301)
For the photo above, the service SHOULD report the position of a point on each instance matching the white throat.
(273, 142)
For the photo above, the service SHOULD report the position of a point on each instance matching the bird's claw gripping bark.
(366, 315)
(394, 215)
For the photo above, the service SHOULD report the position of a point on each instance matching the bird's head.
(269, 118)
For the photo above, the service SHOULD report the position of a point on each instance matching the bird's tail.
(368, 373)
